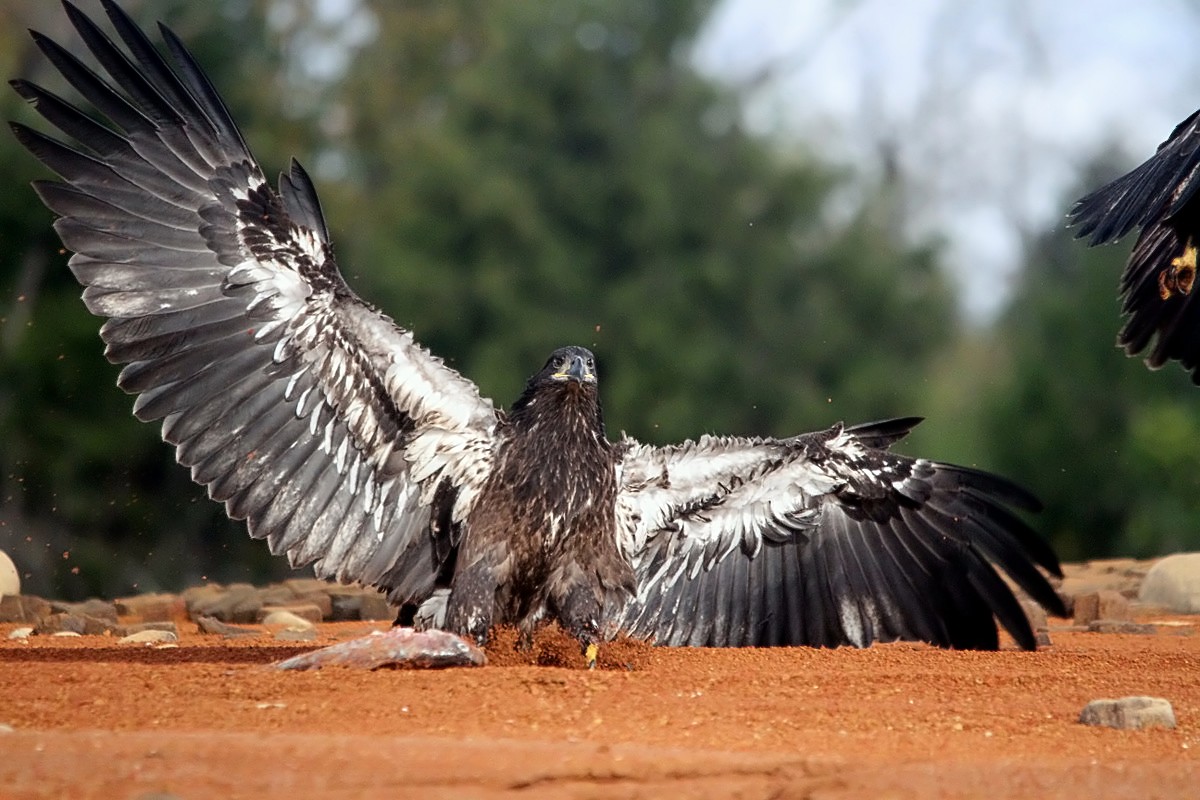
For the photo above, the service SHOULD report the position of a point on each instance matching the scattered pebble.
(5, 728)
(21, 633)
(1129, 713)
(66, 633)
(149, 637)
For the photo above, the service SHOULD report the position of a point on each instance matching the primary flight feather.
(345, 444)
(1158, 294)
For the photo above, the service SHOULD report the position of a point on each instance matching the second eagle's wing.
(1158, 288)
(824, 539)
(309, 414)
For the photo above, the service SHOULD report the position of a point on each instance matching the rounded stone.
(1174, 583)
(10, 579)
(1130, 713)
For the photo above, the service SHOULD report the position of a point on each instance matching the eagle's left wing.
(337, 437)
(824, 539)
(1158, 287)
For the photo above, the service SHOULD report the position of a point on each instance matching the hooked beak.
(575, 370)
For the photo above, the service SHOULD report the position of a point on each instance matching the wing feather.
(1158, 286)
(825, 539)
(307, 412)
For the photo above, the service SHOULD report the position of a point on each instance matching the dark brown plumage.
(347, 446)
(543, 538)
(1158, 287)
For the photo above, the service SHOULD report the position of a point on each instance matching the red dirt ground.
(95, 719)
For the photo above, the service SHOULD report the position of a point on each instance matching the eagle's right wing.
(309, 414)
(823, 539)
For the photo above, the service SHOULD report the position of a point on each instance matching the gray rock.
(1129, 713)
(215, 626)
(94, 608)
(10, 579)
(80, 624)
(1174, 584)
(1120, 626)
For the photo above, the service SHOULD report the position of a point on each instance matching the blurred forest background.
(506, 177)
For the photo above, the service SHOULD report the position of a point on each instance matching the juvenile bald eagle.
(1157, 287)
(346, 445)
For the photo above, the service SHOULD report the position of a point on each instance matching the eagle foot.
(590, 653)
(1180, 276)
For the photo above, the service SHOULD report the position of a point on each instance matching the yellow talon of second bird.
(590, 654)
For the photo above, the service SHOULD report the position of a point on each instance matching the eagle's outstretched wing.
(311, 415)
(824, 539)
(1158, 287)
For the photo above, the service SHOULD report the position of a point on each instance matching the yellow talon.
(590, 654)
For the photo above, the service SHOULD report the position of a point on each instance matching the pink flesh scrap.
(402, 647)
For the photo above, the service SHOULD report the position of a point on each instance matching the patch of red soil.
(210, 718)
(551, 646)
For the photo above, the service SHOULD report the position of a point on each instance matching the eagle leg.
(579, 612)
(471, 607)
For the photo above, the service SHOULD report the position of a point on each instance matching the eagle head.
(568, 380)
(571, 363)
